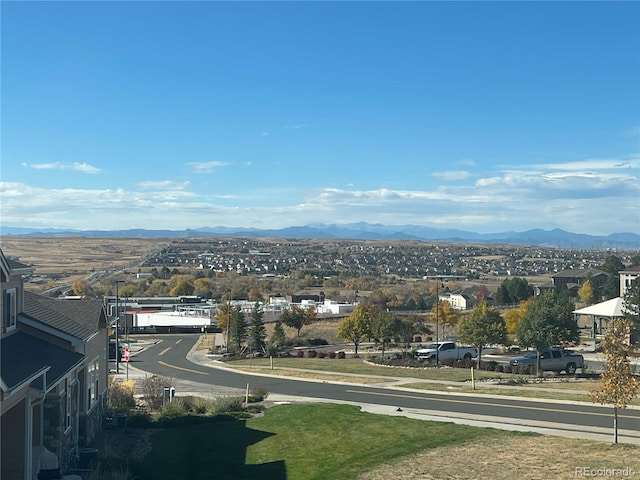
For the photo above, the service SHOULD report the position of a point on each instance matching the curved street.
(174, 356)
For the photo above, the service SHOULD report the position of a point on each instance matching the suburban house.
(571, 280)
(53, 376)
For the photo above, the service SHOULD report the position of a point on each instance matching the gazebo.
(608, 310)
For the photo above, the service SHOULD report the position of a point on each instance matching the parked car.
(551, 359)
(446, 350)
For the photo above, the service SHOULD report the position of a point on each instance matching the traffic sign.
(126, 354)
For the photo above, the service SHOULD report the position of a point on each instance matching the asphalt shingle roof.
(22, 356)
(78, 318)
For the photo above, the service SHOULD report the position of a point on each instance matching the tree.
(612, 265)
(447, 315)
(237, 327)
(513, 290)
(586, 293)
(257, 332)
(547, 322)
(185, 287)
(618, 384)
(351, 329)
(385, 326)
(513, 317)
(483, 326)
(358, 325)
(294, 318)
(202, 287)
(255, 294)
(81, 287)
(278, 336)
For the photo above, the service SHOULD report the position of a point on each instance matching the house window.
(92, 382)
(9, 309)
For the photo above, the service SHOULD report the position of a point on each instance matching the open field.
(68, 259)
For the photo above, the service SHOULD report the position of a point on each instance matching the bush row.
(320, 354)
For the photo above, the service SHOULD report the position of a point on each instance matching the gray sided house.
(53, 375)
(572, 280)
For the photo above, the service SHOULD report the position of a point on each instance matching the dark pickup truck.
(551, 359)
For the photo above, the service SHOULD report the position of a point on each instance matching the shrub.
(355, 355)
(121, 395)
(171, 410)
(272, 350)
(490, 366)
(448, 362)
(312, 354)
(223, 405)
(322, 354)
(332, 354)
(153, 390)
(257, 394)
(341, 355)
(139, 420)
(465, 363)
(500, 368)
(507, 369)
(299, 354)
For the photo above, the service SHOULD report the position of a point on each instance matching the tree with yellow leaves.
(447, 315)
(618, 384)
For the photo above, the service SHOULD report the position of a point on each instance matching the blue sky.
(481, 116)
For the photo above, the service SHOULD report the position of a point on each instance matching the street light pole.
(228, 320)
(437, 308)
(439, 278)
(117, 321)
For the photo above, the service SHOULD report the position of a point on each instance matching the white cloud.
(79, 167)
(206, 167)
(452, 175)
(164, 184)
(297, 126)
(587, 200)
(466, 162)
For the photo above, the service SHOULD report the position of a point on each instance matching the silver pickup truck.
(445, 351)
(551, 359)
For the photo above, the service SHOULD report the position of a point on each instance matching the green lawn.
(300, 441)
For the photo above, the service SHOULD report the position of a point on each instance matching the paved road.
(576, 419)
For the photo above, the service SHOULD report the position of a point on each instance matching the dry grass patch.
(63, 260)
(532, 457)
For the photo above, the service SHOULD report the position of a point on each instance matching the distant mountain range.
(365, 231)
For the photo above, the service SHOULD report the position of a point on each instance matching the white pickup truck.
(445, 351)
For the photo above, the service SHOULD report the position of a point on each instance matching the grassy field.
(73, 258)
(324, 441)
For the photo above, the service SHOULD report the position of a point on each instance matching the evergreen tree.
(237, 327)
(278, 336)
(257, 332)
